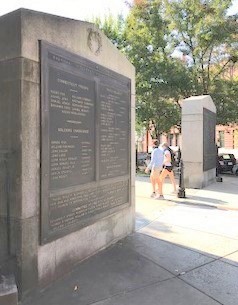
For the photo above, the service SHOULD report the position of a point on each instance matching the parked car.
(143, 160)
(226, 162)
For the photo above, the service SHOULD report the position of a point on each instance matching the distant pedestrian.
(167, 169)
(156, 166)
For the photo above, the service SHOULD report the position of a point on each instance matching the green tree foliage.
(157, 84)
(141, 37)
(113, 28)
(202, 31)
(206, 39)
(225, 94)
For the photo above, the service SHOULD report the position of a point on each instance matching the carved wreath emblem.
(94, 41)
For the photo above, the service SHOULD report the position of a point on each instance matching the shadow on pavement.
(205, 199)
(195, 205)
(140, 270)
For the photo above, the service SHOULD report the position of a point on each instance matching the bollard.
(137, 165)
(218, 177)
(181, 190)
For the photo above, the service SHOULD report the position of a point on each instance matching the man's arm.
(148, 168)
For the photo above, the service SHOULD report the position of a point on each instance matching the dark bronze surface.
(85, 122)
(71, 129)
(209, 145)
(114, 130)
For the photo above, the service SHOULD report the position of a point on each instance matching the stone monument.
(198, 141)
(67, 111)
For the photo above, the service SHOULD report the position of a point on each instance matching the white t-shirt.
(167, 158)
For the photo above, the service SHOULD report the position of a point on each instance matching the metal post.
(218, 177)
(181, 190)
(179, 156)
(136, 159)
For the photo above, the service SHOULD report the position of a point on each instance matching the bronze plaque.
(209, 141)
(85, 143)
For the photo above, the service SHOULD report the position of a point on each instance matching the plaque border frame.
(207, 165)
(45, 235)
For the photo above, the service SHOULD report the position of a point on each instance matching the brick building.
(145, 143)
(226, 137)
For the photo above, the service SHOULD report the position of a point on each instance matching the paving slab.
(170, 292)
(113, 271)
(210, 220)
(169, 256)
(206, 243)
(149, 209)
(220, 195)
(231, 259)
(218, 280)
(141, 222)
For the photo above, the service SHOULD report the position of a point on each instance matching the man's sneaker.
(153, 195)
(159, 197)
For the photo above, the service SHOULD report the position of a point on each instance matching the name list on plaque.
(114, 130)
(85, 118)
(72, 138)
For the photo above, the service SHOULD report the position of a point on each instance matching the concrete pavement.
(184, 252)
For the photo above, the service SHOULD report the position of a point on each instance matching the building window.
(236, 138)
(221, 138)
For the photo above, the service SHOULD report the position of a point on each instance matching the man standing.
(155, 165)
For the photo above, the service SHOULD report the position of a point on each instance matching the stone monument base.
(198, 141)
(197, 178)
(8, 291)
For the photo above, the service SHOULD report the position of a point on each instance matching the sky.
(77, 9)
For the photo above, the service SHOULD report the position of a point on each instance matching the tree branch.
(208, 68)
(222, 69)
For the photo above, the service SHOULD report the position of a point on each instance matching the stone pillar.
(19, 137)
(198, 141)
(32, 44)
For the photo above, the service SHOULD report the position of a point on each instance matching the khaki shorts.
(155, 173)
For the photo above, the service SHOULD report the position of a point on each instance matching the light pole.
(181, 190)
